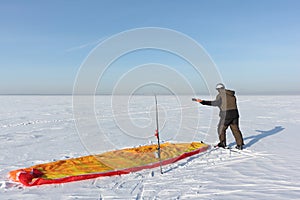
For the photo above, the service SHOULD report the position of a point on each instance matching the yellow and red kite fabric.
(110, 163)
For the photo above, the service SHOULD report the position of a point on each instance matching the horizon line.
(147, 94)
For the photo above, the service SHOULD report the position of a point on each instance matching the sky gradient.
(254, 44)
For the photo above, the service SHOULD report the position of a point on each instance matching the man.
(229, 115)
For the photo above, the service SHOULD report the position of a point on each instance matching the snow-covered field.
(38, 129)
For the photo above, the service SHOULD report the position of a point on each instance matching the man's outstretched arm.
(217, 102)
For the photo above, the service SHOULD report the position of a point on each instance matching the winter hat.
(220, 86)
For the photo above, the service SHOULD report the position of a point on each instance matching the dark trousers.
(234, 126)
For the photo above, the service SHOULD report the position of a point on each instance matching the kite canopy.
(109, 163)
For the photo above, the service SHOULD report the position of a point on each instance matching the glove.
(198, 100)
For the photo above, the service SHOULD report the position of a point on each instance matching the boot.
(221, 144)
(239, 147)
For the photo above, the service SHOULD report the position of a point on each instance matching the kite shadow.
(262, 134)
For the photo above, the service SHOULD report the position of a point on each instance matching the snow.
(38, 129)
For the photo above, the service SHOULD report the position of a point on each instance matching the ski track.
(37, 129)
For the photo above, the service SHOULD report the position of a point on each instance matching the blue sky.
(255, 44)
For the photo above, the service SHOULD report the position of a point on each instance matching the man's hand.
(198, 100)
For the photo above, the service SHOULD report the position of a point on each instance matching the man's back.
(228, 100)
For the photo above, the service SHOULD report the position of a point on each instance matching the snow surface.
(38, 129)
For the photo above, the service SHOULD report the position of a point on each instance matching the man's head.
(220, 86)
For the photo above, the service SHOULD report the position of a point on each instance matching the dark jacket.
(226, 102)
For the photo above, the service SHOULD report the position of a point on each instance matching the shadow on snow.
(261, 135)
(253, 139)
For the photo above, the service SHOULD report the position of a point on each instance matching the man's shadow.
(261, 135)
